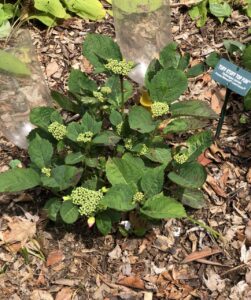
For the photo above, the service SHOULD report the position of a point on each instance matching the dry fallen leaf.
(203, 160)
(214, 185)
(249, 176)
(64, 294)
(40, 295)
(217, 100)
(115, 253)
(214, 282)
(132, 282)
(20, 231)
(54, 257)
(248, 232)
(201, 254)
(52, 68)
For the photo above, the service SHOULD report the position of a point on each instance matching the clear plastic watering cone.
(22, 87)
(143, 28)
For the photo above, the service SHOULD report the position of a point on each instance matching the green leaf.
(74, 158)
(65, 102)
(184, 62)
(196, 70)
(5, 29)
(167, 85)
(192, 198)
(184, 124)
(73, 130)
(62, 177)
(119, 197)
(162, 207)
(86, 9)
(53, 7)
(106, 138)
(220, 9)
(40, 152)
(153, 68)
(79, 83)
(169, 57)
(98, 49)
(41, 116)
(198, 143)
(52, 207)
(189, 175)
(88, 123)
(152, 181)
(193, 108)
(115, 97)
(213, 59)
(69, 212)
(45, 18)
(233, 46)
(140, 119)
(10, 63)
(104, 222)
(159, 155)
(115, 118)
(246, 58)
(125, 170)
(198, 13)
(247, 101)
(17, 180)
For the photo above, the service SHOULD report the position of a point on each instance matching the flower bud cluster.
(99, 96)
(85, 137)
(119, 67)
(144, 150)
(128, 144)
(46, 171)
(88, 200)
(159, 109)
(119, 128)
(180, 158)
(57, 130)
(138, 197)
(106, 90)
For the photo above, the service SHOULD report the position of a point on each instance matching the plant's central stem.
(122, 92)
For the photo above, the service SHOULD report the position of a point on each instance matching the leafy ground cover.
(178, 260)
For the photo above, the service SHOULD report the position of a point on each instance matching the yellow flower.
(145, 100)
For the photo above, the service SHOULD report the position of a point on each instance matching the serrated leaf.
(41, 116)
(152, 181)
(189, 175)
(193, 108)
(192, 198)
(119, 197)
(169, 57)
(65, 102)
(246, 58)
(10, 63)
(153, 68)
(233, 46)
(98, 47)
(140, 119)
(196, 70)
(17, 180)
(184, 124)
(162, 207)
(52, 207)
(62, 177)
(106, 138)
(40, 151)
(79, 83)
(220, 9)
(115, 118)
(213, 59)
(184, 62)
(104, 222)
(124, 170)
(69, 212)
(167, 85)
(198, 13)
(159, 155)
(88, 123)
(74, 158)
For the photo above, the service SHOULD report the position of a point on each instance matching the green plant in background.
(117, 159)
(49, 12)
(220, 9)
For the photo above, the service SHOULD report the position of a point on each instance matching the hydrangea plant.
(117, 157)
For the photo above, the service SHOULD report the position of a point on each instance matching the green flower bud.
(180, 158)
(119, 67)
(99, 96)
(159, 109)
(46, 172)
(144, 150)
(85, 137)
(57, 130)
(128, 144)
(119, 128)
(106, 90)
(88, 200)
(138, 197)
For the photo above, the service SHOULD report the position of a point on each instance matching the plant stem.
(222, 114)
(209, 229)
(121, 77)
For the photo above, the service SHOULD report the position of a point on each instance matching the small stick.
(222, 114)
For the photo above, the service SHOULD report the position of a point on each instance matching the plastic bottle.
(19, 94)
(143, 28)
